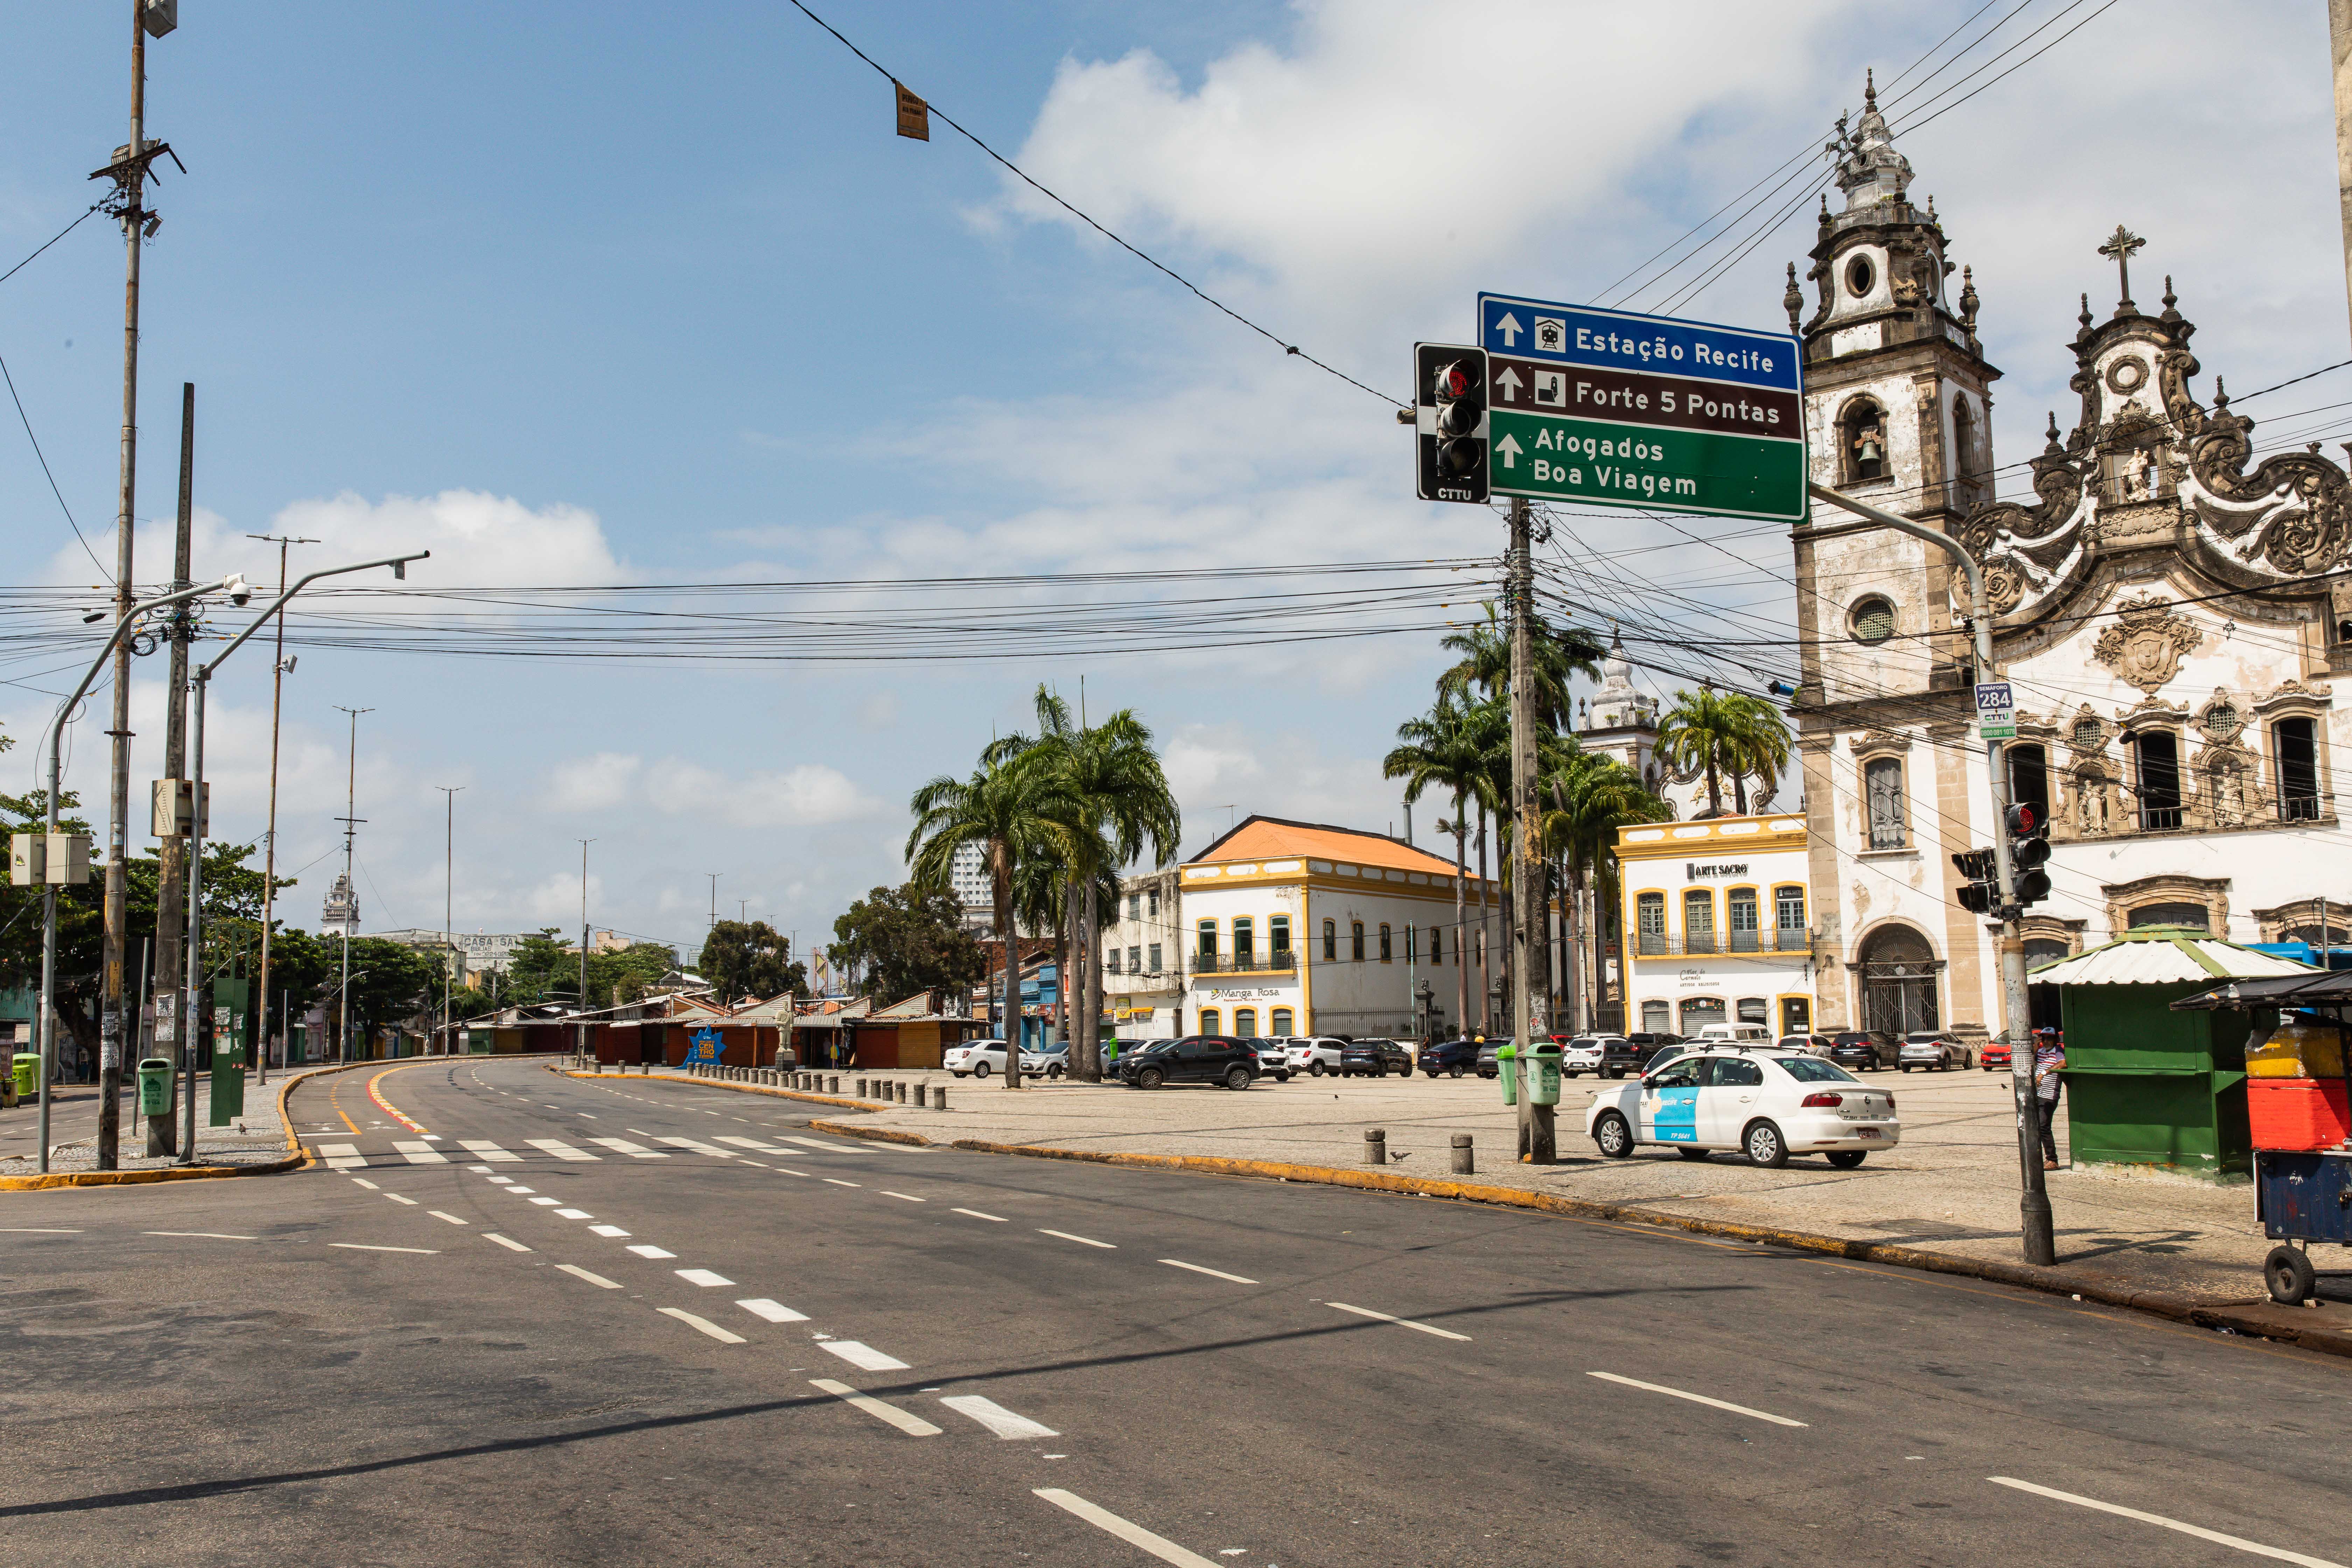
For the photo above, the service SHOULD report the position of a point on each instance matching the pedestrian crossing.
(348, 1156)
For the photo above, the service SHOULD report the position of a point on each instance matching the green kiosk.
(2145, 1085)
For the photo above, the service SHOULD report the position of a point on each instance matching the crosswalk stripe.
(559, 1149)
(344, 1156)
(995, 1417)
(752, 1143)
(420, 1153)
(699, 1148)
(862, 1355)
(634, 1151)
(489, 1150)
(723, 1336)
(774, 1312)
(828, 1148)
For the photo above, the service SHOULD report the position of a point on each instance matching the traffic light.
(1450, 421)
(2029, 851)
(1981, 894)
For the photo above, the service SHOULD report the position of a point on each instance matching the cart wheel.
(2288, 1273)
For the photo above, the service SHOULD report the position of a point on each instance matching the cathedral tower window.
(1860, 276)
(1883, 785)
(1968, 464)
(1873, 620)
(1863, 441)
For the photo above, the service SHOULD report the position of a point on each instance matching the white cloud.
(600, 782)
(805, 795)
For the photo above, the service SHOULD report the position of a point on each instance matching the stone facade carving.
(2147, 642)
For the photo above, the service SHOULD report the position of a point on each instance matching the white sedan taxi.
(1765, 1103)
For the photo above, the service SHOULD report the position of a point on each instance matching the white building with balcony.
(1720, 914)
(1143, 959)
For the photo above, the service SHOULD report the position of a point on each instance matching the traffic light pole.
(2034, 1202)
(1531, 928)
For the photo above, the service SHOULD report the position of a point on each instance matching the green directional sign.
(1608, 409)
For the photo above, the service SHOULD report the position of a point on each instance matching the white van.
(1735, 1035)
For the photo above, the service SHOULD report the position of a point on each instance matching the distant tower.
(341, 915)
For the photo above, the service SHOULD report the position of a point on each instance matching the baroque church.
(2162, 610)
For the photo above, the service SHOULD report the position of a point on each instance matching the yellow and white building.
(1719, 923)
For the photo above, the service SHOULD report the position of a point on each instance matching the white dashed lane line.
(774, 1312)
(864, 1357)
(363, 1246)
(396, 1198)
(596, 1279)
(1082, 1240)
(837, 1182)
(913, 1425)
(507, 1241)
(609, 1230)
(643, 1251)
(573, 1214)
(2201, 1533)
(452, 1219)
(702, 1277)
(907, 1196)
(1213, 1273)
(1685, 1393)
(1427, 1329)
(995, 1417)
(202, 1234)
(1134, 1534)
(704, 1324)
(975, 1214)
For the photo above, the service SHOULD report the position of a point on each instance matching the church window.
(1873, 620)
(2171, 914)
(1882, 783)
(2029, 780)
(1861, 432)
(2088, 734)
(2299, 770)
(1859, 276)
(2158, 778)
(1968, 494)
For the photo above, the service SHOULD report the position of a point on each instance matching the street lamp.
(204, 676)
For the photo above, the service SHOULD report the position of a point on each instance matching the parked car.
(1487, 1064)
(1734, 1034)
(1932, 1049)
(1868, 1049)
(1995, 1057)
(1375, 1058)
(1632, 1053)
(1196, 1058)
(978, 1058)
(1315, 1054)
(1768, 1105)
(1045, 1061)
(1456, 1057)
(1810, 1045)
(1583, 1054)
(1272, 1059)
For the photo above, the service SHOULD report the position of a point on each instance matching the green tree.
(1448, 749)
(1483, 664)
(1587, 798)
(390, 982)
(751, 959)
(908, 939)
(1724, 732)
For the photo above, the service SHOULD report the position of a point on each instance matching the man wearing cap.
(2049, 1064)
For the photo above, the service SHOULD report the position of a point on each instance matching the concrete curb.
(297, 1157)
(800, 1094)
(878, 1134)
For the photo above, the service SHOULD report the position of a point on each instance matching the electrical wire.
(43, 457)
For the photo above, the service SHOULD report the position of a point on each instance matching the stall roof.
(2165, 955)
(2316, 988)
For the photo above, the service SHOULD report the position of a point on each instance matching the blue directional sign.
(1612, 408)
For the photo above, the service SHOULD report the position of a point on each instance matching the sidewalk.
(255, 1138)
(1950, 1187)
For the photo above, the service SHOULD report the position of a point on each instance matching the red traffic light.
(1460, 379)
(2023, 821)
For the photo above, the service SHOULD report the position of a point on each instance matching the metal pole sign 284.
(1610, 408)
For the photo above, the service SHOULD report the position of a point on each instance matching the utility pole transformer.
(1530, 934)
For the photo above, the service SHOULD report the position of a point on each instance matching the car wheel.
(1694, 1153)
(1847, 1159)
(1151, 1077)
(1616, 1072)
(959, 1075)
(1766, 1147)
(1282, 1077)
(1315, 1069)
(1456, 1069)
(1614, 1138)
(980, 1071)
(2288, 1273)
(1237, 1078)
(1904, 1068)
(1054, 1070)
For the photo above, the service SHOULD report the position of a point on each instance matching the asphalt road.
(822, 1351)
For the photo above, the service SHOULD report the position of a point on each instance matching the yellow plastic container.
(2297, 1051)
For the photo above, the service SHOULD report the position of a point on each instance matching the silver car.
(1932, 1050)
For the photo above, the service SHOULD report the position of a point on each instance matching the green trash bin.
(25, 1073)
(1543, 1085)
(155, 1085)
(1507, 1062)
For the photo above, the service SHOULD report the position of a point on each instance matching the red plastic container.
(2297, 1112)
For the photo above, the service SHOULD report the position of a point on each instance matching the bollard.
(860, 1093)
(938, 1097)
(833, 1086)
(1462, 1164)
(901, 1090)
(1376, 1146)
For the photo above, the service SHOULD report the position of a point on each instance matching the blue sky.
(627, 294)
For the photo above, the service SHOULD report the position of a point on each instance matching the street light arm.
(1981, 622)
(121, 629)
(205, 670)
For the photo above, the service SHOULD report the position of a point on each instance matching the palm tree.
(1724, 732)
(1484, 662)
(1449, 749)
(1014, 809)
(1591, 797)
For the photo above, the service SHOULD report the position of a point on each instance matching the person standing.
(2049, 1067)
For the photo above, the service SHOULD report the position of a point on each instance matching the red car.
(1993, 1057)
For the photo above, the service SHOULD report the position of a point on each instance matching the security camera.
(288, 665)
(240, 592)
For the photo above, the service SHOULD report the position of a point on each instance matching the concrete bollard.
(833, 1086)
(1462, 1164)
(1376, 1146)
(861, 1089)
(938, 1097)
(900, 1089)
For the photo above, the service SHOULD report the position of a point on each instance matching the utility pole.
(269, 843)
(581, 1034)
(1531, 935)
(350, 822)
(2034, 1202)
(714, 877)
(449, 793)
(171, 853)
(2339, 41)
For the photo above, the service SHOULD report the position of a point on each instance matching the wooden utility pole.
(351, 821)
(269, 849)
(1530, 933)
(2339, 47)
(171, 1027)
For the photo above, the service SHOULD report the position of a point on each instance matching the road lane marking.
(863, 1356)
(702, 1277)
(1409, 1323)
(363, 1246)
(396, 1198)
(651, 1252)
(977, 1215)
(452, 1219)
(489, 1150)
(908, 1196)
(2256, 1547)
(697, 1146)
(559, 1149)
(752, 1143)
(634, 1151)
(202, 1234)
(1102, 1518)
(995, 1417)
(837, 1182)
(371, 1186)
(822, 1148)
(1213, 1273)
(513, 1189)
(913, 1425)
(386, 1106)
(1696, 1398)
(1083, 1240)
(418, 1152)
(788, 1170)
(547, 1203)
(35, 1230)
(573, 1214)
(774, 1312)
(344, 1156)
(607, 1230)
(705, 1324)
(596, 1279)
(503, 1181)
(507, 1242)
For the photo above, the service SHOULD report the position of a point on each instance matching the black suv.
(1196, 1058)
(1456, 1057)
(1632, 1053)
(1490, 1065)
(1868, 1049)
(1376, 1057)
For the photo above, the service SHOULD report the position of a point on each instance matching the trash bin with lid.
(155, 1085)
(1507, 1062)
(24, 1071)
(1543, 1074)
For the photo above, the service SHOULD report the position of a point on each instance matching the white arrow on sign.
(1509, 381)
(1510, 329)
(1509, 448)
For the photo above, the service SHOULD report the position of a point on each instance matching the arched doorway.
(1897, 971)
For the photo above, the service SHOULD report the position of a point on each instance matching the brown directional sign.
(1532, 386)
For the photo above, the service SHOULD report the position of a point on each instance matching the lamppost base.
(2040, 1248)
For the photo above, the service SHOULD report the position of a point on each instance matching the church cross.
(2123, 245)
